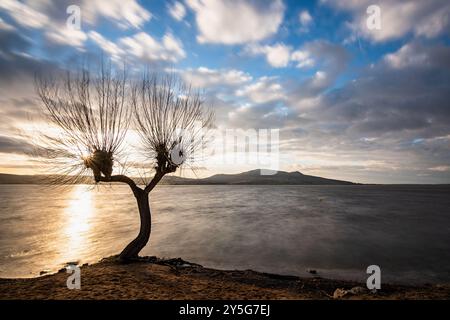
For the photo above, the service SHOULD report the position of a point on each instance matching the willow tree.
(92, 113)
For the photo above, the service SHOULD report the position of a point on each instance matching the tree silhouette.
(94, 112)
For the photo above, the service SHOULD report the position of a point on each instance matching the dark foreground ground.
(153, 278)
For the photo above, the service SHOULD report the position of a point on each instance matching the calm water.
(337, 230)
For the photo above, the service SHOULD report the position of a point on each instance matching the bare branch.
(123, 179)
(92, 115)
(172, 122)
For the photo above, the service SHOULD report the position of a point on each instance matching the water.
(337, 230)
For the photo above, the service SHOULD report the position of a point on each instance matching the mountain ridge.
(252, 177)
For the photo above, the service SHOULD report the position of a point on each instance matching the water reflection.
(280, 229)
(77, 222)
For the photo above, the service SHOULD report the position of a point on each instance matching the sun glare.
(78, 213)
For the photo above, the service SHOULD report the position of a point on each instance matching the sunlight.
(78, 212)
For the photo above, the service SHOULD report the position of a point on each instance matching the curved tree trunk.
(132, 250)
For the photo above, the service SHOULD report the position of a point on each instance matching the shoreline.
(165, 279)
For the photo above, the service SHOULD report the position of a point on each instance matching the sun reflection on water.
(77, 227)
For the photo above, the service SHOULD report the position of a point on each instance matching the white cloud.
(277, 55)
(203, 77)
(143, 46)
(398, 18)
(67, 36)
(238, 21)
(303, 58)
(177, 10)
(440, 168)
(106, 45)
(124, 13)
(47, 14)
(309, 55)
(262, 91)
(305, 20)
(56, 31)
(23, 14)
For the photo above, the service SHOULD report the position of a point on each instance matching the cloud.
(315, 53)
(236, 21)
(203, 77)
(106, 45)
(390, 124)
(390, 121)
(17, 67)
(11, 40)
(283, 99)
(23, 14)
(329, 61)
(404, 101)
(442, 168)
(51, 17)
(142, 46)
(303, 58)
(427, 19)
(12, 145)
(5, 26)
(277, 55)
(264, 90)
(125, 14)
(67, 36)
(305, 19)
(330, 56)
(177, 10)
(416, 55)
(55, 30)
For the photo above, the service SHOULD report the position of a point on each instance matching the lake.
(337, 230)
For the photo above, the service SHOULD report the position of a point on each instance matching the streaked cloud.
(143, 46)
(203, 77)
(427, 19)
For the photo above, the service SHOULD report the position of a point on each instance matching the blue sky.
(354, 103)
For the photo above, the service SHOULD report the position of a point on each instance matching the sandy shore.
(153, 278)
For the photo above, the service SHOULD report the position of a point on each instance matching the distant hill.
(281, 177)
(250, 177)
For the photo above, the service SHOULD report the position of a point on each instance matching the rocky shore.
(154, 278)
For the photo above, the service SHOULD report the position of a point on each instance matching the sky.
(357, 92)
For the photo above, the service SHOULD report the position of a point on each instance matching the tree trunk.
(132, 250)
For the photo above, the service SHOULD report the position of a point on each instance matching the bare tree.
(93, 113)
